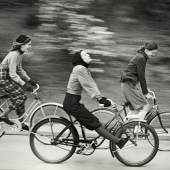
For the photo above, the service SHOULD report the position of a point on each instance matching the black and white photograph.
(84, 84)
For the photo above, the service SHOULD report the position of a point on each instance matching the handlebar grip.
(35, 90)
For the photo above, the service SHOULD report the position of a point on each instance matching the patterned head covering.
(77, 60)
(21, 40)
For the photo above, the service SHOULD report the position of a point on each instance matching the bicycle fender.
(44, 104)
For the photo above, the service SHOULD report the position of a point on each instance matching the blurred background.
(110, 30)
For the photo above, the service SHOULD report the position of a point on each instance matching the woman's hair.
(20, 40)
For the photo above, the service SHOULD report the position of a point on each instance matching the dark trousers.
(73, 107)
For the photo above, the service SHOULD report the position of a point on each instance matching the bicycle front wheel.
(50, 143)
(141, 147)
(162, 128)
(47, 110)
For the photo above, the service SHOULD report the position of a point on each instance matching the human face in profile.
(151, 53)
(85, 57)
(26, 47)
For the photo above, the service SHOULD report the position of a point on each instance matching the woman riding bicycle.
(134, 74)
(80, 78)
(14, 80)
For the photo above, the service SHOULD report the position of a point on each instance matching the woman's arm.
(88, 83)
(12, 62)
(22, 73)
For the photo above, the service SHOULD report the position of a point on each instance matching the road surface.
(15, 154)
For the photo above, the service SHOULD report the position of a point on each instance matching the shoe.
(6, 120)
(25, 127)
(122, 142)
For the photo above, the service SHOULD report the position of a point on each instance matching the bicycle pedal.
(86, 151)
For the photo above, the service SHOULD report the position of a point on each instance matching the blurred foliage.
(110, 30)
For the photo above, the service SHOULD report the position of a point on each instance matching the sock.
(106, 134)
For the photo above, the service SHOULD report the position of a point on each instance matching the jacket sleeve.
(12, 61)
(141, 65)
(88, 83)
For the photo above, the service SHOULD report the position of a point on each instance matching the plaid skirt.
(13, 90)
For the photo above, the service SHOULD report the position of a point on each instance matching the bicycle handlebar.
(36, 89)
(153, 96)
(152, 93)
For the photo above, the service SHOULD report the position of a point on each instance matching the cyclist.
(80, 78)
(134, 74)
(14, 80)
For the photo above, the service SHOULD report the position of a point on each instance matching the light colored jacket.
(80, 79)
(13, 62)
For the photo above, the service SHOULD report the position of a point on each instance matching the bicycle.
(35, 112)
(55, 140)
(160, 120)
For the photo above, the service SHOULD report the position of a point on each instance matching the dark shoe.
(122, 142)
(25, 127)
(6, 120)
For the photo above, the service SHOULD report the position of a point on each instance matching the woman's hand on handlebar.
(32, 82)
(106, 102)
(36, 89)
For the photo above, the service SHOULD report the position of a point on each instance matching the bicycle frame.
(85, 140)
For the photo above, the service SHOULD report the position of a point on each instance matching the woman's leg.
(17, 96)
(106, 134)
(136, 99)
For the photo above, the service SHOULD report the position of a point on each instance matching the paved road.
(15, 154)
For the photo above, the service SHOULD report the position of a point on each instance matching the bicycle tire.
(2, 131)
(163, 134)
(47, 110)
(135, 156)
(58, 155)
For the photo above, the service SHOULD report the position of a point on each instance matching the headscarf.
(20, 40)
(77, 60)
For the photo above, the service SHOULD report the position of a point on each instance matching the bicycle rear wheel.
(44, 144)
(163, 131)
(138, 151)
